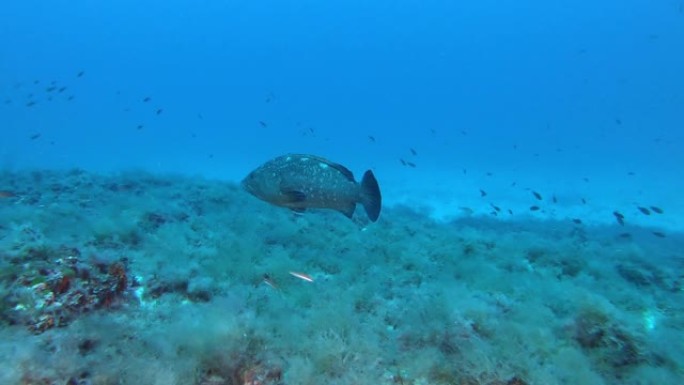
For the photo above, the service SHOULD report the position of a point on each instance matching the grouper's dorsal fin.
(343, 170)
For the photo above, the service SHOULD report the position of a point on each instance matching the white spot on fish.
(323, 165)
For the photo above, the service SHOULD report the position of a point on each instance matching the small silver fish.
(300, 182)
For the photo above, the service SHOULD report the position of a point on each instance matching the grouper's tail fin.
(370, 196)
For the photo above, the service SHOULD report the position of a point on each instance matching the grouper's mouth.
(245, 185)
(248, 186)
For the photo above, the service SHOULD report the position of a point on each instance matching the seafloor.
(143, 279)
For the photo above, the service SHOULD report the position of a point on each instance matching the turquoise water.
(529, 156)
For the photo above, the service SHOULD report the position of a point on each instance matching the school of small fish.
(296, 195)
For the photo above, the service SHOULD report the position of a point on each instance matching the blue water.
(542, 75)
(581, 101)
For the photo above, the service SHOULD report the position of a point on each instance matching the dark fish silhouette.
(534, 208)
(7, 194)
(657, 209)
(300, 182)
(619, 217)
(270, 97)
(644, 210)
(483, 193)
(537, 195)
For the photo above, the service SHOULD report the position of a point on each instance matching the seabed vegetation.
(134, 278)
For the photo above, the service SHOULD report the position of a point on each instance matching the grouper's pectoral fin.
(349, 210)
(293, 196)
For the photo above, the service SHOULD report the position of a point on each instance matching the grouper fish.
(300, 182)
